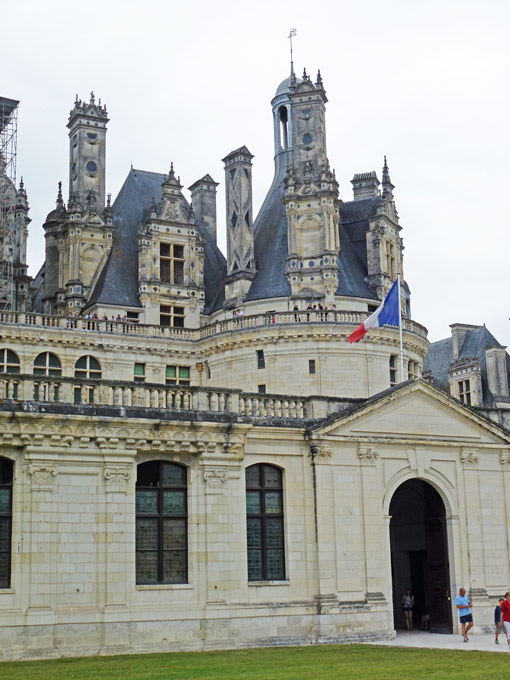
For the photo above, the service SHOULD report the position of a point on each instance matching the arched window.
(6, 473)
(87, 368)
(9, 361)
(47, 364)
(264, 520)
(283, 116)
(161, 523)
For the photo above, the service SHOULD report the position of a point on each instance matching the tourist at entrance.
(466, 618)
(408, 604)
(505, 616)
(497, 619)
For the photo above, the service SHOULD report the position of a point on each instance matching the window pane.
(54, 372)
(273, 502)
(272, 476)
(146, 534)
(183, 371)
(39, 371)
(254, 565)
(140, 369)
(274, 533)
(146, 502)
(179, 252)
(174, 475)
(40, 360)
(94, 364)
(252, 502)
(252, 476)
(174, 534)
(146, 567)
(254, 533)
(6, 470)
(53, 361)
(178, 272)
(5, 500)
(164, 249)
(12, 358)
(5, 534)
(81, 363)
(148, 474)
(174, 566)
(174, 503)
(4, 570)
(171, 372)
(12, 369)
(275, 564)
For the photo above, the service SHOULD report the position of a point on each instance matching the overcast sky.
(427, 84)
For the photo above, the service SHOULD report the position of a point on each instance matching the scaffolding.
(8, 150)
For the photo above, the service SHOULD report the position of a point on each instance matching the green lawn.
(329, 662)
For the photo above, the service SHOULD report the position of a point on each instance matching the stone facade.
(175, 476)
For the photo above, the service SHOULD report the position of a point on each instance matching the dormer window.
(171, 263)
(465, 392)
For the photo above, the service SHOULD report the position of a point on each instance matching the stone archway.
(419, 554)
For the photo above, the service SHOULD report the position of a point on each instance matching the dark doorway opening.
(419, 555)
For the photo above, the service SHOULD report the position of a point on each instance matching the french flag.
(388, 314)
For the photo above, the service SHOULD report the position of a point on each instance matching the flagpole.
(400, 328)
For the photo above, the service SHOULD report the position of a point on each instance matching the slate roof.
(118, 282)
(440, 356)
(271, 251)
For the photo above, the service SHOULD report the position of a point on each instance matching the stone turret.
(311, 194)
(87, 152)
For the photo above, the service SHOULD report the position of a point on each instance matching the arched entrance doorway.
(419, 554)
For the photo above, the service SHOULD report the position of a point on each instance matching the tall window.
(261, 362)
(413, 370)
(6, 470)
(9, 361)
(161, 523)
(390, 259)
(139, 373)
(177, 375)
(171, 263)
(171, 316)
(465, 392)
(86, 368)
(393, 369)
(47, 364)
(264, 519)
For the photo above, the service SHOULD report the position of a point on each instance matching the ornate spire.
(319, 83)
(60, 201)
(387, 186)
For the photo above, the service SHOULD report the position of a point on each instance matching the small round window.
(307, 139)
(92, 136)
(91, 167)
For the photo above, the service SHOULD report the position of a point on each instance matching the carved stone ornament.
(214, 479)
(42, 476)
(320, 454)
(505, 458)
(469, 457)
(368, 454)
(117, 478)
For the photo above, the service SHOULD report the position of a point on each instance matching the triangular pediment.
(415, 411)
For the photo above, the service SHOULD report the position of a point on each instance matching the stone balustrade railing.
(335, 317)
(60, 390)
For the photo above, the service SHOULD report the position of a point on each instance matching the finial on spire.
(292, 34)
(171, 174)
(319, 83)
(109, 201)
(76, 100)
(304, 74)
(92, 98)
(21, 184)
